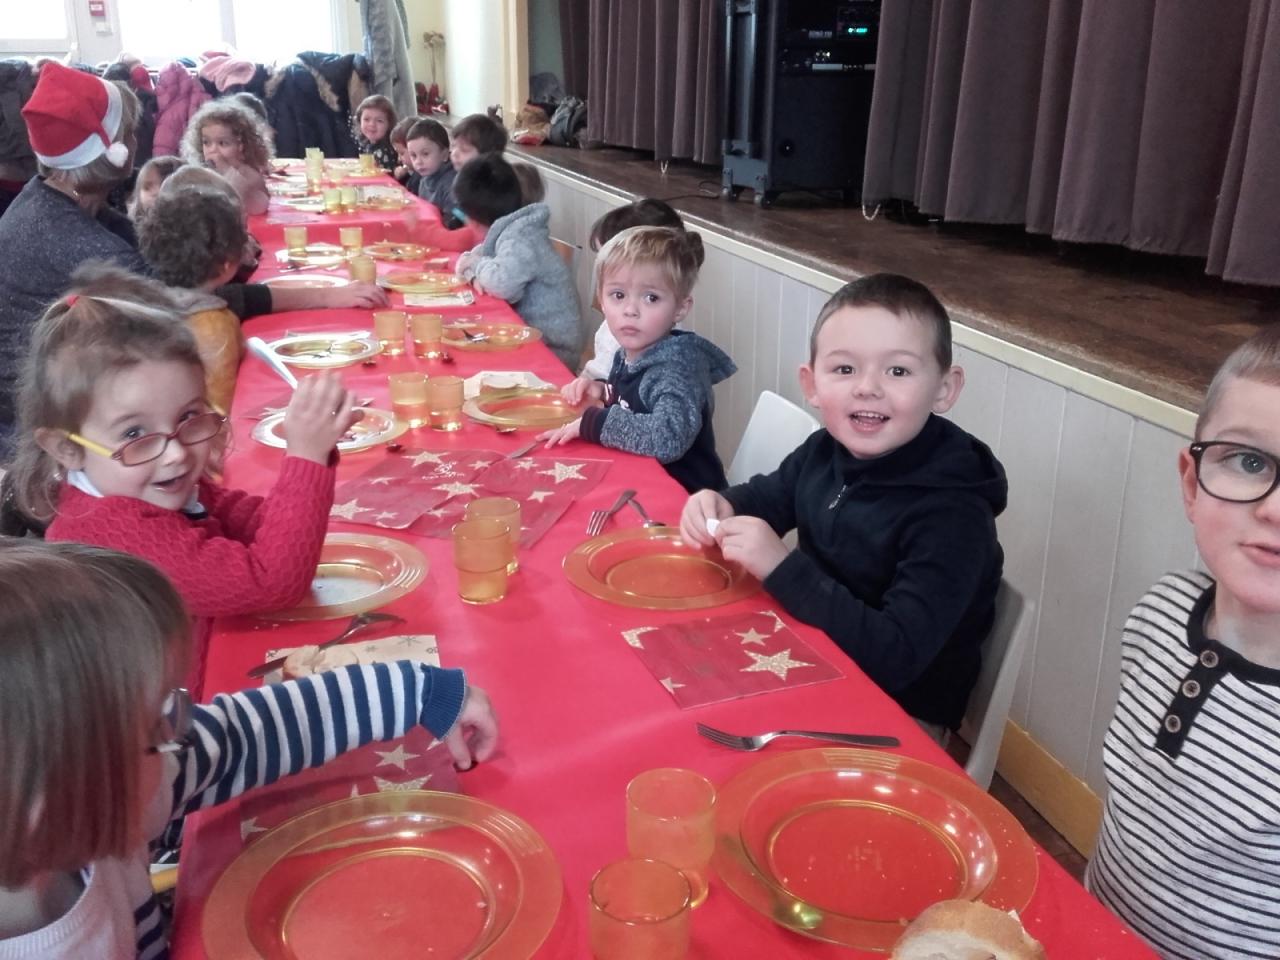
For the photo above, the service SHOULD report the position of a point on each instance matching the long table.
(580, 714)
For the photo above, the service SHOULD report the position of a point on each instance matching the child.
(895, 507)
(102, 748)
(115, 439)
(194, 240)
(532, 188)
(400, 144)
(646, 212)
(516, 260)
(471, 137)
(371, 128)
(1187, 851)
(658, 400)
(152, 175)
(429, 156)
(234, 141)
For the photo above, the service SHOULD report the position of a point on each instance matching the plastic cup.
(445, 395)
(350, 200)
(367, 167)
(332, 200)
(671, 817)
(506, 510)
(427, 331)
(388, 327)
(295, 240)
(409, 398)
(639, 911)
(363, 268)
(352, 240)
(480, 549)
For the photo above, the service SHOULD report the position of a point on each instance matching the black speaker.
(797, 95)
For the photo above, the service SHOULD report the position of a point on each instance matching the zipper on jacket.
(839, 496)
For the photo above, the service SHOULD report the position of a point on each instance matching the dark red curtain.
(575, 42)
(653, 76)
(1151, 125)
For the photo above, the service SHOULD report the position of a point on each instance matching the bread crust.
(965, 925)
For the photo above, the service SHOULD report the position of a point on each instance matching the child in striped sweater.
(1187, 855)
(101, 750)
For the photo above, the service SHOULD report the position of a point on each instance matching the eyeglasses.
(144, 449)
(175, 722)
(1235, 472)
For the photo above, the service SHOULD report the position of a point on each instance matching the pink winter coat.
(178, 96)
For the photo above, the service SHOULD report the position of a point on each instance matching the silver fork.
(359, 623)
(519, 452)
(595, 525)
(648, 522)
(735, 742)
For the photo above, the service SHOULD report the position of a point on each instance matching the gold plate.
(386, 250)
(315, 255)
(357, 572)
(322, 351)
(847, 845)
(496, 335)
(385, 202)
(306, 281)
(374, 428)
(653, 569)
(521, 407)
(418, 281)
(395, 874)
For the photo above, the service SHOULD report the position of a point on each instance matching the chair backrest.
(984, 721)
(777, 426)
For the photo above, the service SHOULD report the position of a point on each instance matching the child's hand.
(751, 542)
(478, 287)
(582, 389)
(561, 435)
(475, 736)
(360, 295)
(698, 509)
(320, 413)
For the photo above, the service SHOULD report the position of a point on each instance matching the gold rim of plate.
(387, 250)
(306, 281)
(478, 408)
(384, 202)
(359, 558)
(538, 880)
(499, 335)
(415, 281)
(316, 351)
(375, 428)
(314, 255)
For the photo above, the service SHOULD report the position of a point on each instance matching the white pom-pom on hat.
(118, 154)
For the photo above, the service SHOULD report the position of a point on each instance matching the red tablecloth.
(580, 713)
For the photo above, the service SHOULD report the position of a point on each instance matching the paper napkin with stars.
(725, 658)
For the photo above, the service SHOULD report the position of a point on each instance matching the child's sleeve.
(254, 737)
(947, 552)
(772, 496)
(439, 236)
(676, 405)
(505, 274)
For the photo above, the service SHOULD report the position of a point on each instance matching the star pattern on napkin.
(397, 757)
(389, 786)
(670, 684)
(377, 481)
(526, 464)
(773, 615)
(539, 495)
(249, 827)
(778, 663)
(751, 636)
(426, 456)
(564, 471)
(346, 511)
(633, 636)
(458, 489)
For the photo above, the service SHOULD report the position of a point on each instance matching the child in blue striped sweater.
(99, 754)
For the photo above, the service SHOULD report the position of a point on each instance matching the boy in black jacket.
(894, 507)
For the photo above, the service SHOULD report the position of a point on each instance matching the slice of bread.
(307, 660)
(966, 930)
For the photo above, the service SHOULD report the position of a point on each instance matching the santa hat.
(72, 118)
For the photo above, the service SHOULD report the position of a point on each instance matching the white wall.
(426, 15)
(1094, 513)
(475, 68)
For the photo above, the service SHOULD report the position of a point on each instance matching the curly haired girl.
(236, 142)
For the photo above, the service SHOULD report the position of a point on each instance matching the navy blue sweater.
(898, 560)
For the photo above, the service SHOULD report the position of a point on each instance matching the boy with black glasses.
(1188, 849)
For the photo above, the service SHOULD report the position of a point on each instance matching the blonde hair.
(1258, 359)
(111, 320)
(100, 174)
(250, 129)
(88, 638)
(678, 253)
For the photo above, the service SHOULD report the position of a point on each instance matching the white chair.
(777, 426)
(984, 721)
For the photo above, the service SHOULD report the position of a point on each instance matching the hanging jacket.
(178, 96)
(17, 80)
(309, 103)
(386, 43)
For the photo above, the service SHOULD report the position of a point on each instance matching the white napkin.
(712, 525)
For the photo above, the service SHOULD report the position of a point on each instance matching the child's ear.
(1187, 480)
(949, 390)
(807, 385)
(682, 311)
(70, 456)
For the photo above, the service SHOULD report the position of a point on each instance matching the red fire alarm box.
(98, 9)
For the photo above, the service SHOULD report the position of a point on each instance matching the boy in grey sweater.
(516, 261)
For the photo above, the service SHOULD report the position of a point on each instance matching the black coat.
(309, 103)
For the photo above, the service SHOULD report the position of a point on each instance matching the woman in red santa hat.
(81, 129)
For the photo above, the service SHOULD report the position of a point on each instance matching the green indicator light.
(861, 30)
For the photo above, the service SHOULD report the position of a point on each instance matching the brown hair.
(1258, 359)
(190, 235)
(400, 132)
(645, 212)
(901, 296)
(433, 130)
(245, 125)
(111, 320)
(100, 174)
(380, 103)
(679, 253)
(88, 638)
(163, 167)
(532, 189)
(484, 133)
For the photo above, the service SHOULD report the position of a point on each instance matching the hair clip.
(71, 299)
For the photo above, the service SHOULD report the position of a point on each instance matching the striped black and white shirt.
(240, 741)
(1189, 853)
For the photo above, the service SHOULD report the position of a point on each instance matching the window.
(36, 27)
(160, 30)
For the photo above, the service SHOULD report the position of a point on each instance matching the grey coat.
(518, 263)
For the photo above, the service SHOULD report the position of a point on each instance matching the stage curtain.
(575, 40)
(1135, 122)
